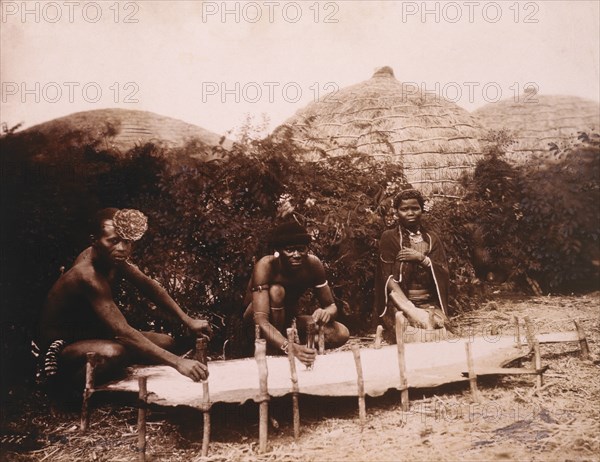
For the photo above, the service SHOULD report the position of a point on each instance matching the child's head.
(409, 194)
(409, 206)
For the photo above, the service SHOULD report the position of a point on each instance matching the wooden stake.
(260, 354)
(583, 344)
(378, 335)
(294, 377)
(200, 354)
(362, 412)
(529, 331)
(400, 323)
(538, 364)
(90, 371)
(206, 418)
(517, 331)
(321, 334)
(295, 328)
(256, 332)
(472, 375)
(142, 405)
(311, 332)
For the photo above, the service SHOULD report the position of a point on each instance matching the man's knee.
(337, 335)
(277, 295)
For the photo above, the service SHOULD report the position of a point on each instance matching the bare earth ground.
(514, 422)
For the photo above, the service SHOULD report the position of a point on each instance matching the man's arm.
(157, 293)
(99, 295)
(328, 310)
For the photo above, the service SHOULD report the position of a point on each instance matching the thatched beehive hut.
(535, 121)
(122, 129)
(434, 139)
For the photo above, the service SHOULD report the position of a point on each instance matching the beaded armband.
(259, 288)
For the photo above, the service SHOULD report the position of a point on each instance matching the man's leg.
(335, 333)
(111, 357)
(277, 316)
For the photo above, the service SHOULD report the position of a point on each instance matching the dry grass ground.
(514, 422)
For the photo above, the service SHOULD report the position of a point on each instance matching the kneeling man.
(274, 292)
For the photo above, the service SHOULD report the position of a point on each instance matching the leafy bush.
(209, 220)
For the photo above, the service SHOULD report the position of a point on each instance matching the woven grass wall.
(535, 121)
(435, 140)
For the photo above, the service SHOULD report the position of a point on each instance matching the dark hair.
(290, 233)
(409, 194)
(99, 218)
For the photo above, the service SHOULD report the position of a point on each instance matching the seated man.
(412, 274)
(80, 314)
(274, 292)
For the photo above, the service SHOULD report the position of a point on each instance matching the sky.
(215, 63)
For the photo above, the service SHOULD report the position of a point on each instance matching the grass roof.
(535, 121)
(434, 139)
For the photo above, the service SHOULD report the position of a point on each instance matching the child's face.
(409, 212)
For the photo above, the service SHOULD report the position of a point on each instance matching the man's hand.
(304, 354)
(321, 316)
(193, 369)
(200, 327)
(407, 254)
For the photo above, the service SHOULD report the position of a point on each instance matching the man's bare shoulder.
(264, 266)
(83, 274)
(314, 261)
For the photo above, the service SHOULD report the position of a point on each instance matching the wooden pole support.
(200, 352)
(311, 332)
(583, 344)
(142, 406)
(362, 411)
(294, 377)
(260, 354)
(295, 329)
(517, 332)
(321, 337)
(530, 334)
(206, 418)
(537, 357)
(472, 375)
(256, 332)
(400, 323)
(90, 372)
(378, 336)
